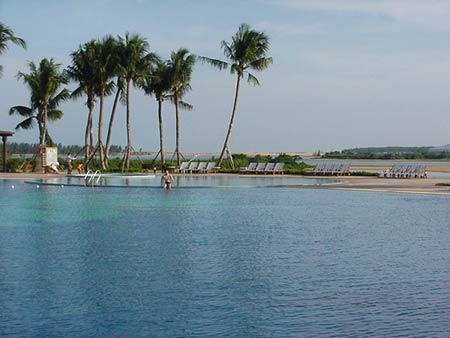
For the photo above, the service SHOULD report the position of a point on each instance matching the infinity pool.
(187, 181)
(219, 262)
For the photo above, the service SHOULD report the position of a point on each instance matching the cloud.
(431, 14)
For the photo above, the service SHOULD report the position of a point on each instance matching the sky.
(345, 73)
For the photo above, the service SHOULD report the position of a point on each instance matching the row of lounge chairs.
(263, 168)
(338, 169)
(198, 167)
(406, 171)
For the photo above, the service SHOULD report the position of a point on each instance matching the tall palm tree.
(104, 68)
(82, 71)
(158, 83)
(135, 64)
(247, 50)
(119, 86)
(181, 64)
(44, 83)
(7, 35)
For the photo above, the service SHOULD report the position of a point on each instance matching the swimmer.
(168, 180)
(80, 168)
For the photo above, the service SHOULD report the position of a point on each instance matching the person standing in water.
(70, 158)
(167, 180)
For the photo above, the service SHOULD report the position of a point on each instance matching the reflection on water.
(222, 262)
(192, 181)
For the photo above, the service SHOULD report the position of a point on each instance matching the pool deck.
(371, 184)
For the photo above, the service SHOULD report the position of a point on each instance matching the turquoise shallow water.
(264, 262)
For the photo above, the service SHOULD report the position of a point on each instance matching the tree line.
(111, 66)
(32, 148)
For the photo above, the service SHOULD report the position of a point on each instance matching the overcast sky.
(346, 73)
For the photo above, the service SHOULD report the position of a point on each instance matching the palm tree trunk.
(161, 147)
(126, 159)
(100, 130)
(91, 133)
(39, 120)
(177, 132)
(44, 126)
(230, 126)
(111, 121)
(87, 149)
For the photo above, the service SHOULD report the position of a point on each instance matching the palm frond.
(261, 64)
(252, 79)
(219, 64)
(227, 50)
(27, 123)
(78, 92)
(21, 110)
(185, 105)
(54, 115)
(7, 35)
(62, 96)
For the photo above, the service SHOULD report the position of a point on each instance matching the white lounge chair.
(183, 167)
(319, 168)
(260, 168)
(201, 167)
(192, 167)
(211, 167)
(278, 169)
(328, 168)
(336, 169)
(269, 168)
(250, 168)
(345, 169)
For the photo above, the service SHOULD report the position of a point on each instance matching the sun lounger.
(192, 167)
(260, 168)
(395, 171)
(201, 167)
(183, 167)
(250, 168)
(278, 169)
(345, 169)
(336, 169)
(269, 168)
(211, 167)
(328, 169)
(319, 169)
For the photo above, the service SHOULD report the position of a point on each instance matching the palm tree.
(135, 64)
(158, 83)
(248, 50)
(181, 64)
(7, 35)
(119, 95)
(105, 66)
(44, 83)
(82, 71)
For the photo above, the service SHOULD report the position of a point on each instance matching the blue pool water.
(266, 262)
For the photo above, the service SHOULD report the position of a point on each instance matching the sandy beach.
(371, 184)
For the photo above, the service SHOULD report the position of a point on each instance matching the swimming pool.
(186, 181)
(287, 262)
